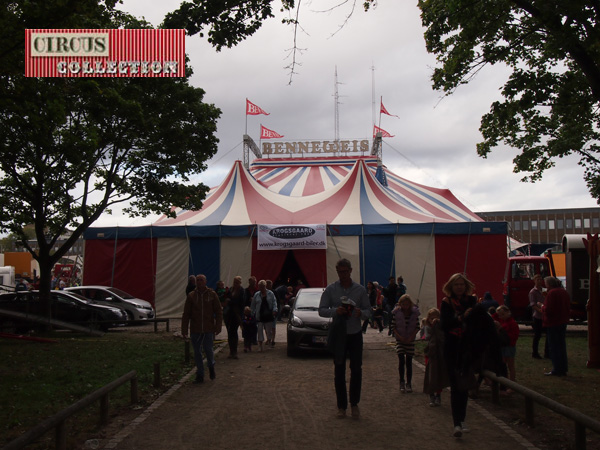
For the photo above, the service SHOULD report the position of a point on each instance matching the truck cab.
(518, 281)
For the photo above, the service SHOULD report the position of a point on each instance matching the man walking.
(347, 302)
(556, 311)
(203, 315)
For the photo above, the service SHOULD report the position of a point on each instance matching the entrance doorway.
(291, 273)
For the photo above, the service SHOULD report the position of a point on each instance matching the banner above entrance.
(289, 237)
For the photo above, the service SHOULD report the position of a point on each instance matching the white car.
(136, 309)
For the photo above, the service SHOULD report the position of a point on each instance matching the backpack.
(265, 314)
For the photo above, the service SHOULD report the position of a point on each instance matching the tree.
(74, 147)
(552, 97)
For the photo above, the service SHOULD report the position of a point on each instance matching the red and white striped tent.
(384, 224)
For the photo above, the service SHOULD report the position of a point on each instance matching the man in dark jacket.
(203, 315)
(556, 312)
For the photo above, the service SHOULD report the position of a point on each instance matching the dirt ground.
(271, 401)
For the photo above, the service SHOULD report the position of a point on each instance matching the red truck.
(518, 281)
(574, 264)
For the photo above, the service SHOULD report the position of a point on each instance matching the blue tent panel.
(205, 258)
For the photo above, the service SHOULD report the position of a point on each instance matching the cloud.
(383, 51)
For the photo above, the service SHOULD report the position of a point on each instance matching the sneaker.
(457, 431)
(355, 412)
(212, 373)
(402, 387)
(341, 413)
(408, 388)
(431, 400)
(536, 356)
(438, 400)
(464, 427)
(199, 379)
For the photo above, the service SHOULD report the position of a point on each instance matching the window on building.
(577, 223)
(525, 225)
(569, 223)
(551, 224)
(596, 222)
(517, 226)
(534, 225)
(586, 222)
(560, 224)
(542, 225)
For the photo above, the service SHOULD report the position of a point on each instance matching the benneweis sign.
(104, 53)
(282, 148)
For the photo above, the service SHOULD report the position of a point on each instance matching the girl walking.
(405, 326)
(436, 374)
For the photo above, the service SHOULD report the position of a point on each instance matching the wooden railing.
(58, 421)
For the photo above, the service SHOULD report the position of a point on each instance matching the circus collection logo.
(104, 53)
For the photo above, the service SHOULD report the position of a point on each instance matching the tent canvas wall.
(388, 228)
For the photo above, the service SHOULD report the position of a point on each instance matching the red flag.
(384, 133)
(384, 111)
(253, 110)
(265, 133)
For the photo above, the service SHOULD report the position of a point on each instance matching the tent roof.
(335, 191)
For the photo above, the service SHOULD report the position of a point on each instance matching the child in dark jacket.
(249, 329)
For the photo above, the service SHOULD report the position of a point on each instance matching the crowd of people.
(465, 336)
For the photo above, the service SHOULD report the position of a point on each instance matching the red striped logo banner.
(104, 53)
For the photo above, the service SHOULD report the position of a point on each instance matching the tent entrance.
(291, 273)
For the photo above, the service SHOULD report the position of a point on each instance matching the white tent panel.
(172, 256)
(413, 256)
(236, 259)
(339, 247)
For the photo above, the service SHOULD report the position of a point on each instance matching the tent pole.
(363, 271)
(334, 244)
(392, 265)
(467, 252)
(187, 237)
(249, 244)
(153, 270)
(425, 264)
(112, 274)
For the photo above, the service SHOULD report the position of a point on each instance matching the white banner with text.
(289, 237)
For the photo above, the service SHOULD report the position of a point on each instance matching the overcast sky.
(434, 137)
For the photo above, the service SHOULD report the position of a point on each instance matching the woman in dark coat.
(232, 314)
(454, 310)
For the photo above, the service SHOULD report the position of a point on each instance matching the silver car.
(136, 309)
(305, 328)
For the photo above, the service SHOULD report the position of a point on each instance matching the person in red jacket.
(556, 312)
(504, 317)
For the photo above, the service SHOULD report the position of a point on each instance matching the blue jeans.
(354, 349)
(203, 341)
(557, 345)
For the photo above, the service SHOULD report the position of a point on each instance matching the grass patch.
(41, 379)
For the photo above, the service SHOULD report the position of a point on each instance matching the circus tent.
(385, 224)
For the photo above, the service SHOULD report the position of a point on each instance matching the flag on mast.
(265, 133)
(253, 110)
(384, 111)
(384, 133)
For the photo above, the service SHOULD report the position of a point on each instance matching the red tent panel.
(484, 268)
(135, 265)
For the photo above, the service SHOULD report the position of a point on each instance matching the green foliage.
(552, 97)
(229, 22)
(74, 147)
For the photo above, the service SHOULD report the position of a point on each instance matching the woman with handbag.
(264, 309)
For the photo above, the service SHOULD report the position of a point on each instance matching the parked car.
(65, 306)
(136, 309)
(305, 328)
